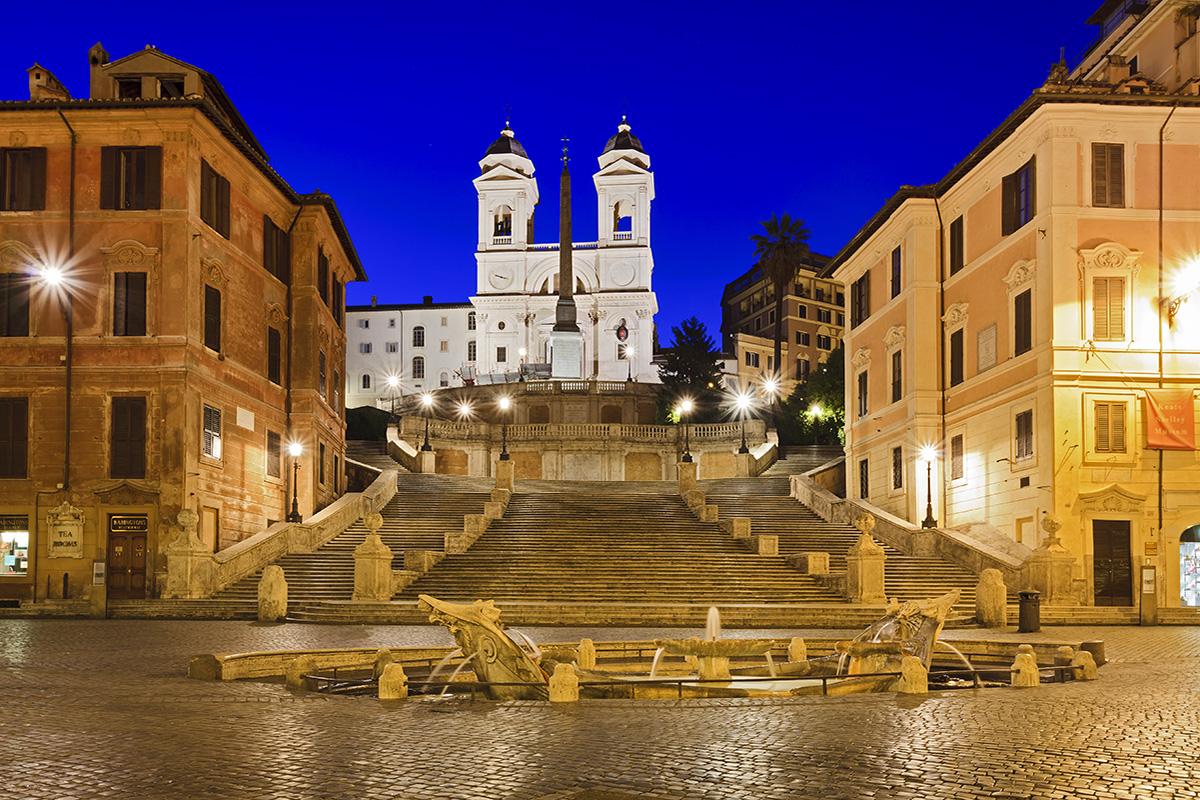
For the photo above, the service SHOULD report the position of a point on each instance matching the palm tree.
(780, 252)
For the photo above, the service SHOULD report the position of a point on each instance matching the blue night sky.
(820, 110)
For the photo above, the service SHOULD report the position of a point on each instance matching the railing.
(502, 239)
(614, 431)
(574, 246)
(622, 236)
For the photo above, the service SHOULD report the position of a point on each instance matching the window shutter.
(1100, 309)
(284, 256)
(222, 206)
(153, 177)
(14, 436)
(1023, 313)
(1103, 441)
(1118, 427)
(1116, 309)
(137, 437)
(212, 318)
(1008, 204)
(135, 304)
(206, 194)
(119, 450)
(1116, 175)
(956, 357)
(274, 362)
(37, 180)
(119, 303)
(108, 177)
(270, 263)
(1100, 172)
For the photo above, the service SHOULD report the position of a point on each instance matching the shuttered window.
(211, 442)
(860, 299)
(956, 457)
(321, 374)
(274, 356)
(129, 304)
(1108, 309)
(274, 454)
(1110, 427)
(14, 304)
(323, 276)
(896, 261)
(897, 375)
(1024, 443)
(277, 251)
(1108, 175)
(1023, 322)
(956, 357)
(128, 438)
(862, 394)
(1018, 198)
(131, 177)
(957, 246)
(338, 301)
(212, 318)
(214, 199)
(14, 437)
(22, 179)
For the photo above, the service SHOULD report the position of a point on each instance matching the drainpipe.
(1161, 297)
(69, 309)
(940, 348)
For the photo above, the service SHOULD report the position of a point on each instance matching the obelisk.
(566, 340)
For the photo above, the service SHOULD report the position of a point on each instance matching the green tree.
(780, 251)
(691, 369)
(816, 411)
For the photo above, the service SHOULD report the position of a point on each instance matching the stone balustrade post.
(991, 600)
(272, 594)
(427, 462)
(372, 564)
(191, 565)
(505, 475)
(865, 566)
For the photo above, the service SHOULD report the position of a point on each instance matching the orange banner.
(1170, 419)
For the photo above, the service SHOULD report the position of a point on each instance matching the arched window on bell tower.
(502, 225)
(622, 220)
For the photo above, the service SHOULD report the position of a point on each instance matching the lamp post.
(928, 453)
(393, 383)
(294, 449)
(629, 354)
(742, 402)
(504, 404)
(55, 278)
(684, 409)
(427, 403)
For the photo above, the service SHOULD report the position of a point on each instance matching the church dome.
(507, 144)
(623, 139)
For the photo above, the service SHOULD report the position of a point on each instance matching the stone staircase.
(373, 454)
(797, 459)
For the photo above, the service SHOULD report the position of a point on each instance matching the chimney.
(44, 86)
(1118, 68)
(374, 299)
(427, 300)
(97, 58)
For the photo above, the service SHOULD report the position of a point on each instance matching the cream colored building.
(1013, 317)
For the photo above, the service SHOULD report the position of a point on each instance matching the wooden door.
(127, 557)
(1112, 562)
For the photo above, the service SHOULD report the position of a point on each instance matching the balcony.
(502, 239)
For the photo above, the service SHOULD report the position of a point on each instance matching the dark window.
(128, 450)
(418, 337)
(823, 342)
(751, 359)
(896, 272)
(802, 369)
(274, 455)
(471, 321)
(1024, 447)
(1108, 309)
(129, 304)
(321, 466)
(1023, 322)
(274, 356)
(1110, 427)
(862, 393)
(864, 480)
(1017, 198)
(824, 315)
(277, 250)
(22, 179)
(860, 299)
(501, 357)
(14, 437)
(131, 177)
(211, 443)
(897, 375)
(170, 87)
(956, 457)
(212, 318)
(956, 357)
(957, 246)
(1108, 175)
(802, 311)
(418, 364)
(321, 374)
(897, 468)
(214, 199)
(337, 474)
(337, 392)
(14, 304)
(338, 302)
(366, 381)
(323, 276)
(129, 88)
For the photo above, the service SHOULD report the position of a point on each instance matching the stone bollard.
(382, 659)
(797, 650)
(393, 683)
(505, 475)
(991, 600)
(297, 669)
(687, 476)
(587, 654)
(1096, 648)
(1025, 668)
(564, 684)
(372, 564)
(272, 594)
(1063, 656)
(864, 566)
(1085, 666)
(914, 678)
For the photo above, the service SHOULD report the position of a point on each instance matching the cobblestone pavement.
(102, 709)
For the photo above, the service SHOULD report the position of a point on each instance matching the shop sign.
(1170, 419)
(65, 524)
(125, 524)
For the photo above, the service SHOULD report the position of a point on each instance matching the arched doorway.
(1189, 567)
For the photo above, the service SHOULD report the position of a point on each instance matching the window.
(897, 375)
(1110, 427)
(274, 356)
(1024, 442)
(391, 347)
(751, 359)
(471, 350)
(337, 392)
(444, 346)
(770, 362)
(418, 367)
(14, 437)
(471, 321)
(841, 318)
(274, 455)
(1108, 175)
(897, 468)
(860, 299)
(823, 342)
(802, 311)
(804, 338)
(501, 355)
(1023, 322)
(864, 480)
(127, 451)
(212, 318)
(170, 87)
(956, 357)
(956, 457)
(211, 444)
(130, 177)
(364, 348)
(321, 374)
(391, 323)
(277, 250)
(418, 337)
(129, 304)
(337, 471)
(444, 320)
(321, 465)
(802, 369)
(14, 304)
(364, 323)
(323, 275)
(957, 246)
(824, 315)
(1108, 309)
(1017, 199)
(444, 379)
(339, 304)
(14, 538)
(758, 323)
(771, 318)
(366, 381)
(862, 394)
(896, 272)
(129, 88)
(22, 179)
(214, 199)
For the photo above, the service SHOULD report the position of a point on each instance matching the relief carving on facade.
(129, 253)
(894, 337)
(17, 139)
(643, 313)
(275, 314)
(862, 358)
(214, 272)
(131, 137)
(127, 493)
(1108, 132)
(955, 315)
(1112, 499)
(1021, 273)
(16, 255)
(1110, 256)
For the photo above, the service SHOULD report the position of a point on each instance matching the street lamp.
(928, 453)
(55, 277)
(742, 403)
(294, 449)
(427, 402)
(393, 382)
(815, 413)
(504, 404)
(684, 409)
(629, 354)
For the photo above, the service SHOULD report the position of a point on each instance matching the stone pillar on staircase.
(504, 474)
(372, 564)
(427, 462)
(1049, 569)
(687, 476)
(741, 464)
(191, 565)
(865, 566)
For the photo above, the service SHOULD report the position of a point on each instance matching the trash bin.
(1029, 619)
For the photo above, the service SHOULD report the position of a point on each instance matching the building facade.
(1020, 339)
(196, 330)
